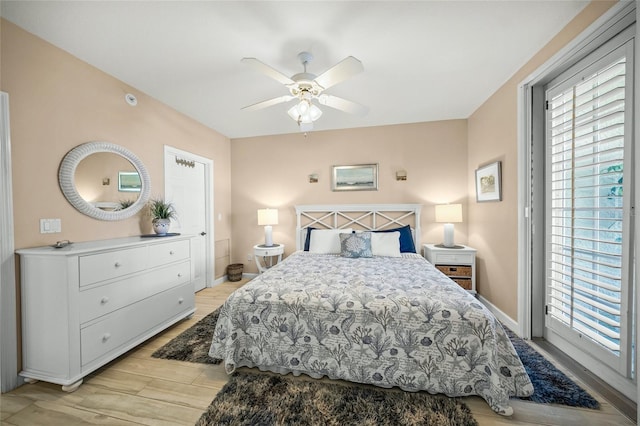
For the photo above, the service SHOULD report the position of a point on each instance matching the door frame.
(209, 212)
(9, 378)
(530, 144)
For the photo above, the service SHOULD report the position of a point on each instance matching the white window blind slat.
(557, 274)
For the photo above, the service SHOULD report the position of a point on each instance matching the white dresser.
(87, 303)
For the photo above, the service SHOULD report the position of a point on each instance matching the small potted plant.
(162, 212)
(125, 204)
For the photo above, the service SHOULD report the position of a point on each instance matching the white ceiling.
(423, 61)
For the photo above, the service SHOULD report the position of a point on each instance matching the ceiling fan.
(307, 87)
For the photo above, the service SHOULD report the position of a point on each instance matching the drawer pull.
(117, 264)
(179, 274)
(171, 252)
(104, 300)
(180, 301)
(106, 336)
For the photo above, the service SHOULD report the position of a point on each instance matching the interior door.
(186, 186)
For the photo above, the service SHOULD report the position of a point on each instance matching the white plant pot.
(161, 226)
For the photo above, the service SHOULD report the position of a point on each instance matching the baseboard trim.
(220, 280)
(501, 316)
(225, 278)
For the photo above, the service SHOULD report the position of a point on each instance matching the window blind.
(586, 212)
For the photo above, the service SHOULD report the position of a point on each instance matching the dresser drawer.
(455, 270)
(124, 325)
(161, 254)
(104, 266)
(452, 258)
(98, 301)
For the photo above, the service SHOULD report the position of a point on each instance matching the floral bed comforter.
(383, 321)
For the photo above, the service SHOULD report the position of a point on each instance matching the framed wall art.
(361, 177)
(129, 182)
(488, 182)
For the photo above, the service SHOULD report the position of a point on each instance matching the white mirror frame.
(66, 177)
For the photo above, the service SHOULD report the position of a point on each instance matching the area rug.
(192, 345)
(266, 399)
(551, 386)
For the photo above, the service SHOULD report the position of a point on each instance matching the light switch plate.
(50, 226)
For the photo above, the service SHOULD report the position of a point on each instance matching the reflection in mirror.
(98, 181)
(129, 182)
(89, 178)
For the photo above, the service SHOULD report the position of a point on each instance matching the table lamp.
(449, 214)
(268, 217)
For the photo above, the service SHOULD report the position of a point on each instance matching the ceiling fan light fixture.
(303, 107)
(305, 87)
(304, 112)
(306, 127)
(314, 112)
(293, 113)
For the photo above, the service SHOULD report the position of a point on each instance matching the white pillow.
(385, 244)
(326, 241)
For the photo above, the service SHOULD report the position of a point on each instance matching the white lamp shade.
(304, 112)
(449, 213)
(267, 217)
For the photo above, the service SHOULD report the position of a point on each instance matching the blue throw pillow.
(307, 239)
(406, 239)
(356, 245)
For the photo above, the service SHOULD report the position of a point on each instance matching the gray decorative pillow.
(356, 244)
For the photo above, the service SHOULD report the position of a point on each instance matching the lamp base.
(448, 235)
(268, 239)
(441, 245)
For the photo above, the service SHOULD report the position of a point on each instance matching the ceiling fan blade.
(267, 70)
(268, 103)
(348, 67)
(342, 104)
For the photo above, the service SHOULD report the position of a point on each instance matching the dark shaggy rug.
(192, 344)
(551, 386)
(266, 399)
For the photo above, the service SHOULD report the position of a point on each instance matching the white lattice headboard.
(369, 217)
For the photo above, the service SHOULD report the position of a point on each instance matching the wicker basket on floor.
(234, 271)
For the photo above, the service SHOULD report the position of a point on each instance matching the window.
(588, 157)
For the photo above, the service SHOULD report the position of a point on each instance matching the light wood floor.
(139, 389)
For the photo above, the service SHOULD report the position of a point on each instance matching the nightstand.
(267, 254)
(457, 264)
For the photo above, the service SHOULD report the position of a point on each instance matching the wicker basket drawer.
(455, 270)
(463, 282)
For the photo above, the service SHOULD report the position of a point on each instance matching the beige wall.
(58, 102)
(493, 137)
(272, 171)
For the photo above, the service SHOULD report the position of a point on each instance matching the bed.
(389, 320)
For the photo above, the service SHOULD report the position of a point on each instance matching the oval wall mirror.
(104, 181)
